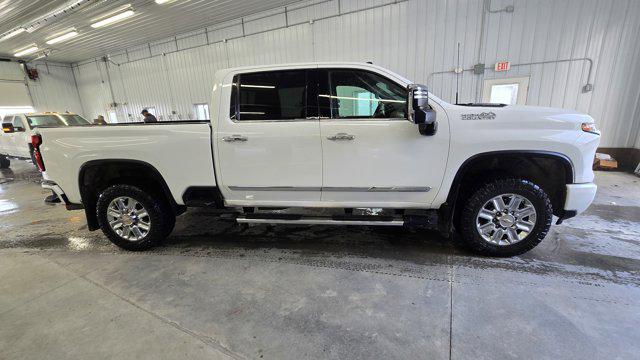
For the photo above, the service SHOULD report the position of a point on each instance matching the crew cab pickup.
(337, 138)
(15, 139)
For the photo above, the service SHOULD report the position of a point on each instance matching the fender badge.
(482, 116)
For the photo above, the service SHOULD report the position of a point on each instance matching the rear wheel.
(4, 162)
(132, 218)
(506, 217)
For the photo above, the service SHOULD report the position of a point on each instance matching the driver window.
(358, 94)
(17, 124)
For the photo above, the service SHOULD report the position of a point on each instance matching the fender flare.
(90, 203)
(447, 209)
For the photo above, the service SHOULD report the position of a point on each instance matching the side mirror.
(8, 128)
(420, 112)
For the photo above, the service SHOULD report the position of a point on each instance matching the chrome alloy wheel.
(506, 219)
(128, 218)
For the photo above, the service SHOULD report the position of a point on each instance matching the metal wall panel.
(420, 39)
(54, 90)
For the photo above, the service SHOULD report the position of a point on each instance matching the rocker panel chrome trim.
(332, 189)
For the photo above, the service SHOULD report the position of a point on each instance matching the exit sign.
(503, 66)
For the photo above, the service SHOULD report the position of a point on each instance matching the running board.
(302, 220)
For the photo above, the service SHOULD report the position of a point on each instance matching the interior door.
(372, 154)
(269, 149)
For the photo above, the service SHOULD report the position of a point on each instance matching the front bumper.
(579, 197)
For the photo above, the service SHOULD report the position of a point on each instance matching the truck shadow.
(196, 230)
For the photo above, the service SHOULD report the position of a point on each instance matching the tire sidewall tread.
(157, 213)
(526, 188)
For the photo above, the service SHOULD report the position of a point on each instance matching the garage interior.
(223, 290)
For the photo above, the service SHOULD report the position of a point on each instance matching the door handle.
(341, 136)
(234, 138)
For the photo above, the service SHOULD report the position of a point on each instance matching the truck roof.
(223, 72)
(41, 113)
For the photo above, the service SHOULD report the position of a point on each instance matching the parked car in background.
(15, 139)
(336, 137)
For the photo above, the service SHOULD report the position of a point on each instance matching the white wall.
(55, 89)
(415, 38)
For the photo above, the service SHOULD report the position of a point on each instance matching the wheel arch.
(506, 162)
(97, 175)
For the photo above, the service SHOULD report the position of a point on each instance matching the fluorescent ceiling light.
(12, 34)
(63, 37)
(27, 51)
(113, 19)
(162, 1)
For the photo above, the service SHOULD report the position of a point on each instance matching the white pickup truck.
(15, 139)
(331, 137)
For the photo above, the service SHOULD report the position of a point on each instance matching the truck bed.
(180, 150)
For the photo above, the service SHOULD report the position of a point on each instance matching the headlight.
(590, 128)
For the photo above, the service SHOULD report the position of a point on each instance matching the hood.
(524, 116)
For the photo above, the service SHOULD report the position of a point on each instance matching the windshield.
(44, 120)
(56, 120)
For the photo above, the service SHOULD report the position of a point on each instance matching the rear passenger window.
(275, 95)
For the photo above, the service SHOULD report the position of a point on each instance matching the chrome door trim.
(274, 188)
(309, 119)
(234, 138)
(333, 189)
(379, 189)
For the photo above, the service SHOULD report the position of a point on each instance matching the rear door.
(268, 143)
(372, 155)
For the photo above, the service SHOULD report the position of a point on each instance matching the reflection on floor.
(221, 290)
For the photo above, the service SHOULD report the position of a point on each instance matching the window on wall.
(152, 111)
(509, 91)
(113, 117)
(362, 94)
(274, 95)
(201, 111)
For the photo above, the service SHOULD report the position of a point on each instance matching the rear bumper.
(51, 185)
(579, 197)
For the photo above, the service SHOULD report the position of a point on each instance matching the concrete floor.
(219, 290)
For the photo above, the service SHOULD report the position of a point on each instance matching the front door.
(268, 145)
(22, 138)
(372, 155)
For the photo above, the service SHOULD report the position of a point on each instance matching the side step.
(367, 220)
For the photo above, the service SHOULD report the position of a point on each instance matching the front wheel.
(132, 218)
(506, 217)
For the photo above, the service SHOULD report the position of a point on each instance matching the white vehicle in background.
(15, 139)
(336, 137)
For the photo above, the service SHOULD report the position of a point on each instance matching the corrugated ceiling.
(151, 22)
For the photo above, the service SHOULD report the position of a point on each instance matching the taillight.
(36, 141)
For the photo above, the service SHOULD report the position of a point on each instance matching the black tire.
(532, 192)
(4, 162)
(161, 217)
